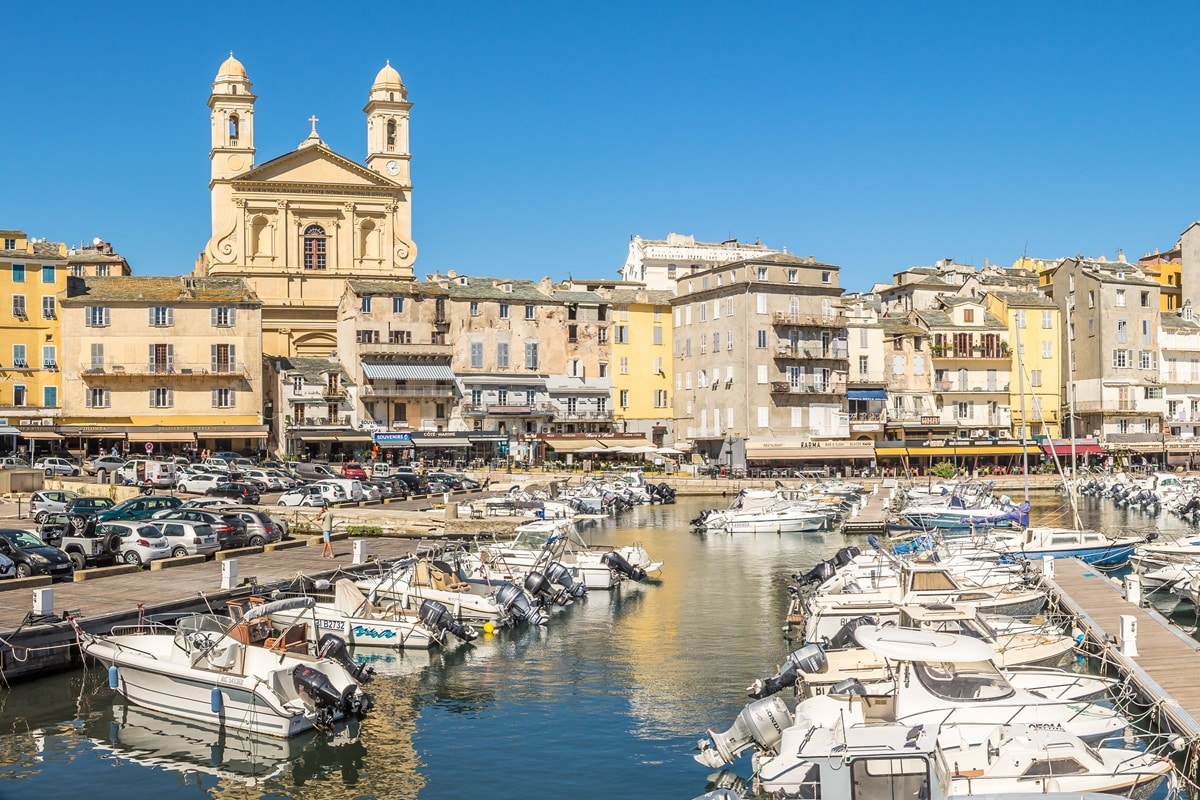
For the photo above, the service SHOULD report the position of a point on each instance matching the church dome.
(388, 78)
(231, 68)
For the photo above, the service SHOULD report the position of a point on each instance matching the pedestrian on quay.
(326, 532)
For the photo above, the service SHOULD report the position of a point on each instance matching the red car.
(354, 470)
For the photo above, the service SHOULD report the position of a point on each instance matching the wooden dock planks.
(872, 517)
(1168, 659)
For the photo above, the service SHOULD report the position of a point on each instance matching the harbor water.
(607, 701)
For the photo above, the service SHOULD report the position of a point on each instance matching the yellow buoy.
(489, 628)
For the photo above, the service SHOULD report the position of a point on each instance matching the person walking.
(326, 532)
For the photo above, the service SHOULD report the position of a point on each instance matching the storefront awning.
(443, 441)
(9, 430)
(597, 446)
(804, 451)
(162, 437)
(27, 434)
(1062, 447)
(964, 451)
(233, 433)
(866, 394)
(407, 372)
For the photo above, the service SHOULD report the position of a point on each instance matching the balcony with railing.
(181, 369)
(830, 320)
(835, 351)
(809, 387)
(566, 415)
(1108, 407)
(400, 390)
(541, 409)
(342, 421)
(975, 352)
(970, 387)
(406, 349)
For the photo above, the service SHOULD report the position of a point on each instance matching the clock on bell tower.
(387, 126)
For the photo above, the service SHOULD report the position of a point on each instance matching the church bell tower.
(387, 127)
(232, 106)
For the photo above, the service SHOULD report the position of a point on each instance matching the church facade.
(297, 227)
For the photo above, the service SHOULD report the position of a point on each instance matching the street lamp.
(729, 452)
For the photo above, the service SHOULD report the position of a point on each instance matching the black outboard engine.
(849, 686)
(666, 493)
(517, 605)
(845, 637)
(617, 563)
(559, 573)
(333, 647)
(539, 586)
(315, 685)
(822, 572)
(809, 659)
(698, 522)
(436, 617)
(844, 556)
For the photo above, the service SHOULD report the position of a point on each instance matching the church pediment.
(314, 165)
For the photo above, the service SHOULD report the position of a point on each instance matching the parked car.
(139, 508)
(205, 502)
(412, 482)
(147, 471)
(241, 492)
(12, 462)
(103, 465)
(141, 542)
(85, 547)
(231, 531)
(49, 501)
(32, 556)
(286, 481)
(306, 470)
(8, 567)
(187, 537)
(303, 496)
(331, 492)
(353, 469)
(453, 481)
(57, 466)
(385, 488)
(261, 528)
(265, 480)
(199, 482)
(82, 509)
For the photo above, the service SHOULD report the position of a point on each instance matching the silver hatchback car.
(187, 538)
(261, 528)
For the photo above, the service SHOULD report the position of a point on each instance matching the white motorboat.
(205, 669)
(763, 511)
(362, 622)
(412, 581)
(839, 749)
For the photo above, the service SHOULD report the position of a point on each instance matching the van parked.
(161, 474)
(352, 487)
(309, 471)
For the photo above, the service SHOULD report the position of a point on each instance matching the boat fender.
(113, 678)
(216, 700)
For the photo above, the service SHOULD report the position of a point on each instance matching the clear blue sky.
(875, 136)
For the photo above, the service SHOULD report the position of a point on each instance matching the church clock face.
(392, 167)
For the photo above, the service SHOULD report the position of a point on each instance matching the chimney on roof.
(451, 273)
(1120, 255)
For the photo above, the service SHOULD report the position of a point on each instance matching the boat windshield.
(200, 631)
(970, 680)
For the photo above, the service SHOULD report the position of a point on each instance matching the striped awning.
(28, 434)
(407, 372)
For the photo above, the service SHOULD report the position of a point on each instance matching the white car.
(266, 480)
(206, 502)
(331, 492)
(187, 538)
(57, 466)
(303, 496)
(103, 464)
(141, 542)
(198, 482)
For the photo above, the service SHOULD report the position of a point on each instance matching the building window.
(1145, 299)
(397, 304)
(826, 277)
(504, 311)
(93, 316)
(621, 334)
(1120, 359)
(161, 358)
(223, 358)
(19, 359)
(658, 334)
(18, 272)
(365, 304)
(1154, 393)
(969, 316)
(1035, 377)
(366, 336)
(476, 355)
(602, 335)
(10, 244)
(49, 357)
(162, 316)
(1020, 315)
(572, 333)
(863, 367)
(18, 306)
(623, 365)
(47, 274)
(761, 303)
(399, 337)
(297, 384)
(603, 370)
(314, 247)
(502, 396)
(660, 398)
(223, 316)
(1120, 298)
(50, 397)
(49, 307)
(502, 355)
(225, 398)
(793, 276)
(1146, 359)
(97, 357)
(531, 355)
(762, 339)
(530, 395)
(965, 410)
(1047, 349)
(1145, 331)
(624, 398)
(528, 312)
(97, 398)
(474, 307)
(162, 397)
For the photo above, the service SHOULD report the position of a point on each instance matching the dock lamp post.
(729, 452)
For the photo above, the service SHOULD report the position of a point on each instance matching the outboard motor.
(809, 659)
(844, 556)
(517, 605)
(333, 647)
(559, 573)
(539, 586)
(760, 723)
(617, 563)
(845, 637)
(822, 572)
(666, 493)
(436, 617)
(849, 686)
(315, 685)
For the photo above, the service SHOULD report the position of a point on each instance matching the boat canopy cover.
(906, 644)
(278, 606)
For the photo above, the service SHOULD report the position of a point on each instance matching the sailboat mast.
(1024, 419)
(1070, 383)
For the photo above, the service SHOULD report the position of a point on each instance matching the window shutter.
(104, 398)
(170, 358)
(232, 398)
(214, 368)
(150, 358)
(212, 316)
(152, 399)
(104, 315)
(232, 358)
(170, 316)
(215, 396)
(150, 316)
(232, 316)
(171, 398)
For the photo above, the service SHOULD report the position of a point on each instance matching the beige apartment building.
(761, 363)
(298, 226)
(175, 363)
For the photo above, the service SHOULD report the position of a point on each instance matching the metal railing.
(180, 368)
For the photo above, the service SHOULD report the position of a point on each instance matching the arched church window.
(233, 127)
(314, 247)
(391, 134)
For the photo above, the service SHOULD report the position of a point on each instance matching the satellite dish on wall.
(97, 241)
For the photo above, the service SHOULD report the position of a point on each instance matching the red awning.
(1063, 448)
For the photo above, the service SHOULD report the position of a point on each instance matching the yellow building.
(295, 228)
(171, 362)
(32, 273)
(641, 361)
(1035, 337)
(1167, 269)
